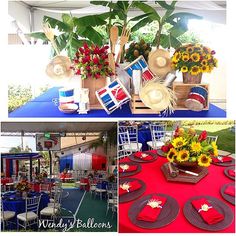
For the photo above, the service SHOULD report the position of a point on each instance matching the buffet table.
(155, 181)
(43, 106)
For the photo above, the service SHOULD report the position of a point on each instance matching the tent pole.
(38, 166)
(50, 163)
(31, 169)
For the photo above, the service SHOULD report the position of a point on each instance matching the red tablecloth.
(36, 186)
(65, 176)
(5, 181)
(155, 181)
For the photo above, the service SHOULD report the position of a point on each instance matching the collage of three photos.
(117, 118)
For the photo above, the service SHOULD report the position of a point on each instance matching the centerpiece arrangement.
(149, 87)
(188, 149)
(193, 60)
(23, 187)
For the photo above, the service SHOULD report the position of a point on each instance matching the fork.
(50, 35)
(123, 40)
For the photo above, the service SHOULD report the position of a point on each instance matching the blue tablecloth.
(43, 106)
(11, 202)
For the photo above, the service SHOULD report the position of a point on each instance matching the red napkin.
(139, 155)
(212, 216)
(151, 214)
(131, 168)
(224, 159)
(135, 185)
(231, 173)
(230, 190)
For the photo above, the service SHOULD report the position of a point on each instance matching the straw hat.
(159, 62)
(157, 96)
(59, 68)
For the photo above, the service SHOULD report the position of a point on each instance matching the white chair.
(30, 216)
(123, 144)
(133, 137)
(56, 200)
(158, 134)
(6, 217)
(111, 202)
(53, 210)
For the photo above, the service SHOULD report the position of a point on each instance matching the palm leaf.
(54, 23)
(93, 20)
(141, 24)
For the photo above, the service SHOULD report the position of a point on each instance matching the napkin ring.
(204, 207)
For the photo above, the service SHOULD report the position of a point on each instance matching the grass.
(68, 185)
(226, 138)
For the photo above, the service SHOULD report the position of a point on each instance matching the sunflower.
(189, 49)
(183, 155)
(204, 69)
(208, 56)
(204, 160)
(204, 62)
(195, 57)
(195, 70)
(176, 57)
(172, 154)
(197, 48)
(196, 147)
(185, 56)
(184, 69)
(215, 149)
(179, 142)
(215, 62)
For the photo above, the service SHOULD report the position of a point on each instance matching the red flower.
(77, 54)
(165, 148)
(95, 60)
(85, 45)
(176, 134)
(85, 59)
(78, 72)
(97, 75)
(76, 61)
(81, 50)
(96, 50)
(87, 52)
(202, 136)
(88, 68)
(213, 52)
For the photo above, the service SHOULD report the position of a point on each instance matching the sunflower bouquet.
(23, 186)
(194, 59)
(188, 147)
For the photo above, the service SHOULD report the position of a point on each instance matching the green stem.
(158, 35)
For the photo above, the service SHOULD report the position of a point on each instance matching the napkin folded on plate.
(151, 212)
(222, 160)
(230, 190)
(210, 215)
(231, 173)
(143, 156)
(130, 169)
(134, 185)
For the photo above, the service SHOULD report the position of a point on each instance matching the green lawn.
(226, 138)
(68, 185)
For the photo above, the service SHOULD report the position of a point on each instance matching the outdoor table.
(18, 203)
(155, 182)
(43, 106)
(84, 184)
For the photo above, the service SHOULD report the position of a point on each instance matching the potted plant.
(188, 149)
(193, 60)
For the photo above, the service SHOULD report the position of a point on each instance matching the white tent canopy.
(29, 14)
